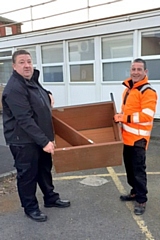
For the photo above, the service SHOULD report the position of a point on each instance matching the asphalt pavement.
(96, 213)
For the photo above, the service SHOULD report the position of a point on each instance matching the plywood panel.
(61, 143)
(84, 157)
(86, 116)
(100, 135)
(68, 133)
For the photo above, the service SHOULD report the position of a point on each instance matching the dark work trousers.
(33, 166)
(135, 165)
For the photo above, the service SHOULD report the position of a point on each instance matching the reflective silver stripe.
(146, 86)
(136, 117)
(146, 123)
(138, 132)
(148, 111)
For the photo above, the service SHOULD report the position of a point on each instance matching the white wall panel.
(117, 90)
(81, 94)
(59, 93)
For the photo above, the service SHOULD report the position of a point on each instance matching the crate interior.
(85, 124)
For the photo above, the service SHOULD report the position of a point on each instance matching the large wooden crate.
(86, 137)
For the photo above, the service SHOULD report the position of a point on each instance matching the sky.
(59, 6)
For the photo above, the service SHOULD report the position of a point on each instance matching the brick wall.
(15, 29)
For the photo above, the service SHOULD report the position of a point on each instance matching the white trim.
(146, 123)
(148, 111)
(136, 117)
(91, 29)
(135, 131)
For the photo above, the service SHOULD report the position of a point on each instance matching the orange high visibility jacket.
(138, 107)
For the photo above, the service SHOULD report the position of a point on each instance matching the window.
(5, 70)
(8, 30)
(52, 53)
(6, 54)
(153, 67)
(81, 72)
(150, 43)
(52, 62)
(53, 74)
(117, 47)
(116, 71)
(5, 66)
(117, 53)
(81, 60)
(150, 51)
(81, 50)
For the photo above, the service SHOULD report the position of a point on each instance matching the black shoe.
(139, 208)
(58, 203)
(37, 216)
(129, 197)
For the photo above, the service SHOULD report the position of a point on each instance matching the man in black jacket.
(29, 133)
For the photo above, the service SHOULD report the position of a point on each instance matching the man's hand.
(118, 117)
(52, 100)
(49, 148)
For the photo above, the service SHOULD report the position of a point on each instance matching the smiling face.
(137, 71)
(23, 65)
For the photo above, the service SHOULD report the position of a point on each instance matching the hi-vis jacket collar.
(129, 83)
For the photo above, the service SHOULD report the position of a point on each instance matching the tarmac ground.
(96, 213)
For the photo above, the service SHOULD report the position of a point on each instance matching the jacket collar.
(129, 83)
(34, 77)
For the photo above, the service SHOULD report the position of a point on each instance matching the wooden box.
(86, 137)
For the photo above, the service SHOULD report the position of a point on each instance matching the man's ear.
(146, 71)
(13, 66)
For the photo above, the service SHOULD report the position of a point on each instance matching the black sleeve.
(18, 102)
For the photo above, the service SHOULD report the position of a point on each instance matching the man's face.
(137, 71)
(23, 65)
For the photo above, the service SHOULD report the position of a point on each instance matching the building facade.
(85, 62)
(9, 27)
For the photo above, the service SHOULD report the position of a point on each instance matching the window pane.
(53, 74)
(81, 50)
(5, 70)
(6, 54)
(52, 53)
(153, 67)
(8, 30)
(81, 73)
(117, 47)
(118, 71)
(32, 51)
(150, 43)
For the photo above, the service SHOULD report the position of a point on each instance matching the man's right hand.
(49, 148)
(118, 117)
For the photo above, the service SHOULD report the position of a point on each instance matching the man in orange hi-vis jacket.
(138, 108)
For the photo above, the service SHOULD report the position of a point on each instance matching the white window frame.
(117, 60)
(59, 64)
(70, 63)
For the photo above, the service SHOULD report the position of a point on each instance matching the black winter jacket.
(26, 111)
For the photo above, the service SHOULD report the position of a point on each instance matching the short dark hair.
(141, 61)
(19, 52)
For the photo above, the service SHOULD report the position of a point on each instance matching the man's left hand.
(52, 100)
